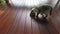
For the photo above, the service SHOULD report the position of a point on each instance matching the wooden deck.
(18, 21)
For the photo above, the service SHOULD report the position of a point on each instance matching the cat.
(41, 12)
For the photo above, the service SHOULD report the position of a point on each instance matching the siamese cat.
(41, 12)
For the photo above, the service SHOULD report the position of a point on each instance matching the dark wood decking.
(18, 21)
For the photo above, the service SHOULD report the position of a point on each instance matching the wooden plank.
(21, 23)
(5, 23)
(3, 19)
(18, 21)
(33, 27)
(28, 22)
(51, 29)
(13, 21)
(3, 12)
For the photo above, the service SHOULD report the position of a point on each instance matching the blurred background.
(32, 3)
(15, 17)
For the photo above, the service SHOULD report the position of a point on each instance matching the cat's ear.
(33, 8)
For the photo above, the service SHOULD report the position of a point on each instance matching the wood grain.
(18, 21)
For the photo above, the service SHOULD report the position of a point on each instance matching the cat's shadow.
(43, 21)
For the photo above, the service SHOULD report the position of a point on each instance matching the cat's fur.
(41, 10)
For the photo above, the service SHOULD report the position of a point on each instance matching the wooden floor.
(18, 21)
